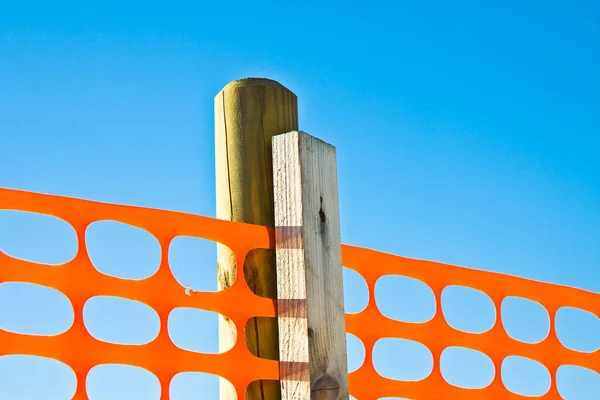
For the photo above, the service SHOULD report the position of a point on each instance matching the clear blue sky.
(466, 133)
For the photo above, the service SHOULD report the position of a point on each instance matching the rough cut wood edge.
(312, 332)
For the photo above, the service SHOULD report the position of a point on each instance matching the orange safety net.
(370, 326)
(80, 281)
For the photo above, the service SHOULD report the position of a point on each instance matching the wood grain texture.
(248, 113)
(312, 334)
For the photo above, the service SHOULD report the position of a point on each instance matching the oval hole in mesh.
(269, 324)
(466, 368)
(32, 377)
(402, 360)
(122, 382)
(356, 352)
(266, 259)
(38, 238)
(404, 299)
(122, 250)
(33, 309)
(195, 330)
(193, 261)
(356, 291)
(525, 320)
(118, 320)
(577, 383)
(524, 376)
(578, 329)
(469, 310)
(195, 385)
(260, 386)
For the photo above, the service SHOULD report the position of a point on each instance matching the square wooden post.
(312, 334)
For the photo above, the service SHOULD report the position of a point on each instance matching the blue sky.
(466, 133)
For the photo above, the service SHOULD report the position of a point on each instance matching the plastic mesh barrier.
(370, 325)
(80, 281)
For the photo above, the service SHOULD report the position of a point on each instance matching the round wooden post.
(248, 113)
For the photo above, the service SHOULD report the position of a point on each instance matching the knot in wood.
(325, 388)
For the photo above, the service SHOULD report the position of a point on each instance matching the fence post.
(312, 334)
(248, 112)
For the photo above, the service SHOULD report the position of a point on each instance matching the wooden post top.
(254, 82)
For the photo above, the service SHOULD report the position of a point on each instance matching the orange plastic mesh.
(370, 325)
(79, 281)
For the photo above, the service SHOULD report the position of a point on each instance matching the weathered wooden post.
(312, 329)
(270, 174)
(248, 113)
